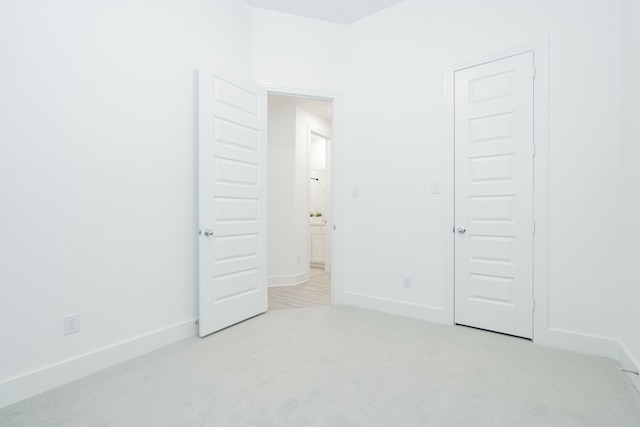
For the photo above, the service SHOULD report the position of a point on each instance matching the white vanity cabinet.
(317, 244)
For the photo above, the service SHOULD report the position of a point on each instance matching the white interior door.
(494, 196)
(232, 201)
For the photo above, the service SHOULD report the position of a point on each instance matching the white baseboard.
(580, 343)
(593, 345)
(628, 363)
(288, 280)
(29, 384)
(400, 308)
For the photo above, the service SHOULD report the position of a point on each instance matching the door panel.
(494, 196)
(232, 188)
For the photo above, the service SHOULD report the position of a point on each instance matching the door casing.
(540, 49)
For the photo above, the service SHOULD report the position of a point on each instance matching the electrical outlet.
(71, 323)
(406, 281)
(435, 187)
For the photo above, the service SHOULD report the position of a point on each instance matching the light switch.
(355, 192)
(435, 187)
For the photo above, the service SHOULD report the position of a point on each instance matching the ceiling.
(337, 11)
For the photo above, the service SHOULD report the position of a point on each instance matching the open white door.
(494, 196)
(232, 201)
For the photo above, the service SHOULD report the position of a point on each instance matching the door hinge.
(534, 72)
(534, 150)
(334, 227)
(534, 305)
(534, 227)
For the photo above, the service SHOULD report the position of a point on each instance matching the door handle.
(461, 230)
(208, 233)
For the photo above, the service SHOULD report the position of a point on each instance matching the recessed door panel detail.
(235, 135)
(492, 128)
(233, 248)
(236, 97)
(230, 171)
(492, 289)
(235, 285)
(492, 168)
(491, 208)
(231, 209)
(491, 248)
(490, 88)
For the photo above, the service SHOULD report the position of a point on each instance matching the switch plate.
(355, 192)
(435, 187)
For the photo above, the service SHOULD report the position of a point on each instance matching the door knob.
(208, 233)
(461, 230)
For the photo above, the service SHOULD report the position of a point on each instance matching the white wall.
(97, 179)
(283, 265)
(289, 186)
(630, 219)
(298, 52)
(393, 149)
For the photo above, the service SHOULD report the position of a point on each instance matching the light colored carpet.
(342, 366)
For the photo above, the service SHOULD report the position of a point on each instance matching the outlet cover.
(406, 281)
(71, 323)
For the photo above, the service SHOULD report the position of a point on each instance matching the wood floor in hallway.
(316, 292)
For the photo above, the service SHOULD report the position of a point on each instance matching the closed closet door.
(494, 196)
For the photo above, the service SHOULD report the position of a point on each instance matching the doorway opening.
(300, 194)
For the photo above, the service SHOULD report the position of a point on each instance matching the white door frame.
(336, 177)
(540, 51)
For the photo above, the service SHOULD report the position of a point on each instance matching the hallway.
(316, 292)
